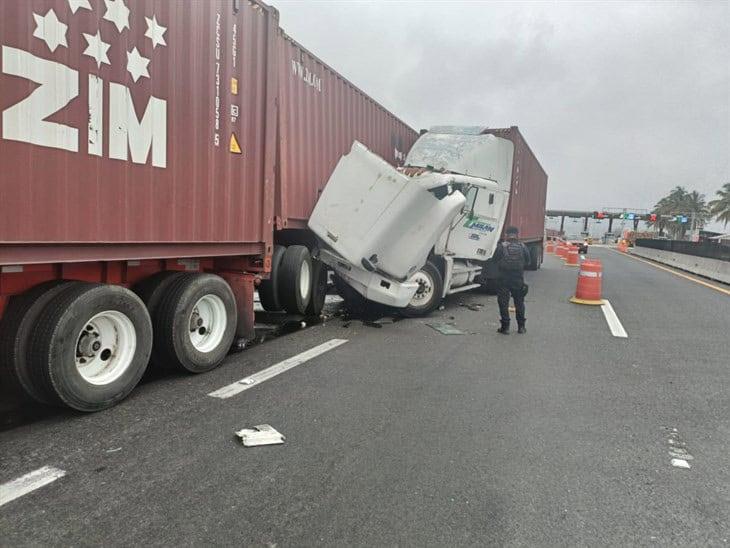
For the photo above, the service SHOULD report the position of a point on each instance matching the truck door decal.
(26, 120)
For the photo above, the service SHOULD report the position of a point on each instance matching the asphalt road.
(406, 436)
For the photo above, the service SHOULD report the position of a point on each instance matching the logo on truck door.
(478, 225)
(141, 139)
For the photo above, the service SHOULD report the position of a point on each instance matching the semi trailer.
(159, 160)
(407, 237)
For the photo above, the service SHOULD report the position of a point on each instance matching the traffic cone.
(572, 257)
(588, 290)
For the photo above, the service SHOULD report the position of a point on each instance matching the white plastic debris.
(680, 463)
(263, 434)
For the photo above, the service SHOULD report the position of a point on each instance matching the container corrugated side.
(320, 115)
(117, 124)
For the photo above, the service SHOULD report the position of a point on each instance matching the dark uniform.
(511, 257)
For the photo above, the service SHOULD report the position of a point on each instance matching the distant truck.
(408, 237)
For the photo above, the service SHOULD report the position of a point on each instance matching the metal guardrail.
(707, 249)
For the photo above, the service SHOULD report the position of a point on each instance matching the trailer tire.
(202, 301)
(429, 295)
(16, 327)
(269, 289)
(151, 290)
(534, 257)
(295, 279)
(319, 289)
(92, 345)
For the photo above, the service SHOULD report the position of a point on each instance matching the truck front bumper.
(371, 285)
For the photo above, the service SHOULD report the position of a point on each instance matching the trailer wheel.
(319, 289)
(16, 327)
(428, 296)
(295, 279)
(534, 258)
(91, 345)
(269, 289)
(151, 290)
(196, 322)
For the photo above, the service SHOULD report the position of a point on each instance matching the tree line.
(693, 205)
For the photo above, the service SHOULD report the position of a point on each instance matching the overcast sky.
(620, 101)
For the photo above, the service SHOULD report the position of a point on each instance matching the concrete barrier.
(710, 268)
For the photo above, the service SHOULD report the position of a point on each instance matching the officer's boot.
(521, 329)
(504, 329)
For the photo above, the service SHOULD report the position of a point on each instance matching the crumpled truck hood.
(379, 219)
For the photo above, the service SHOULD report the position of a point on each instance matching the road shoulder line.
(276, 369)
(672, 271)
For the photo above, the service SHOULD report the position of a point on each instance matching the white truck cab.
(407, 237)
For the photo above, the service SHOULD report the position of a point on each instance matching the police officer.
(511, 257)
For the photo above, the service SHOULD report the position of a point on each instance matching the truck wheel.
(319, 289)
(534, 258)
(16, 327)
(151, 290)
(91, 345)
(269, 289)
(295, 279)
(196, 322)
(428, 296)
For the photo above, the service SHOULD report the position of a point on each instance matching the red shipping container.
(136, 129)
(320, 115)
(526, 208)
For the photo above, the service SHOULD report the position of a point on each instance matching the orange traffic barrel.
(572, 257)
(588, 290)
(561, 250)
(550, 247)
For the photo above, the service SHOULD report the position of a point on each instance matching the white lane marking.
(276, 369)
(30, 482)
(614, 324)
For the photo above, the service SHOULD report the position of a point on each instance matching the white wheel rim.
(207, 323)
(425, 289)
(105, 347)
(305, 280)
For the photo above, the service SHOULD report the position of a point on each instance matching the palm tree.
(680, 202)
(720, 207)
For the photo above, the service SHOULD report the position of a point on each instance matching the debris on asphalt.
(263, 434)
(680, 463)
(372, 324)
(442, 307)
(445, 329)
(476, 307)
(114, 450)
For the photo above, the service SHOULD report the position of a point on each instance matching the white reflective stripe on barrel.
(590, 274)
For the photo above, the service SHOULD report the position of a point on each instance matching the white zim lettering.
(25, 121)
(140, 135)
